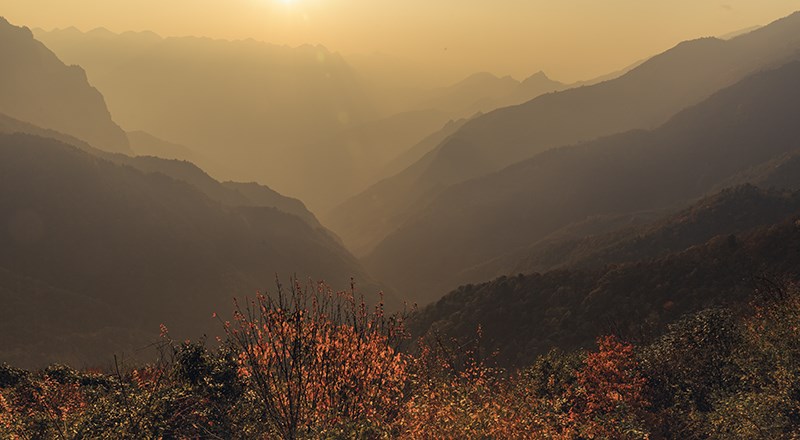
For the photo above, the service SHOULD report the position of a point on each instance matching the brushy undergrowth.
(313, 364)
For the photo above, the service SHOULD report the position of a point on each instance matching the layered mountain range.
(743, 126)
(475, 197)
(99, 247)
(643, 98)
(626, 202)
(296, 118)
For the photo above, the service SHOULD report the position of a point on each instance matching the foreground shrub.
(608, 399)
(318, 363)
(310, 363)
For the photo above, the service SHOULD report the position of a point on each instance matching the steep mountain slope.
(353, 158)
(421, 148)
(232, 194)
(347, 219)
(740, 127)
(36, 87)
(239, 103)
(524, 316)
(144, 247)
(260, 195)
(643, 98)
(145, 144)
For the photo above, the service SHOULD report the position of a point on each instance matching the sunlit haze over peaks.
(406, 219)
(570, 40)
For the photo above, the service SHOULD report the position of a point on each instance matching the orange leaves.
(147, 377)
(42, 404)
(310, 363)
(60, 400)
(454, 394)
(6, 413)
(609, 378)
(609, 395)
(454, 398)
(317, 359)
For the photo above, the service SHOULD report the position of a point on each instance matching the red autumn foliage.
(609, 394)
(318, 360)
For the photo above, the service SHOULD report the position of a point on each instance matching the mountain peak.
(479, 77)
(7, 30)
(539, 78)
(484, 79)
(101, 32)
(538, 75)
(37, 87)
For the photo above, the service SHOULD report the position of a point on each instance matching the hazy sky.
(569, 39)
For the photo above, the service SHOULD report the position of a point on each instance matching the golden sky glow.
(569, 39)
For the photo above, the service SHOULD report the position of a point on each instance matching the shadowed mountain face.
(643, 98)
(743, 126)
(142, 248)
(36, 87)
(229, 193)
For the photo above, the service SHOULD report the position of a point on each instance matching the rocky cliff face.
(36, 87)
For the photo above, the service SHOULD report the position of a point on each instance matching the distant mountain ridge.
(244, 104)
(483, 92)
(750, 123)
(145, 144)
(36, 87)
(643, 98)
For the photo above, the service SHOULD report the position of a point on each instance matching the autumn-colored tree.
(608, 398)
(319, 363)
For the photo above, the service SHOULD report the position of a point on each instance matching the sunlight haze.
(456, 37)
